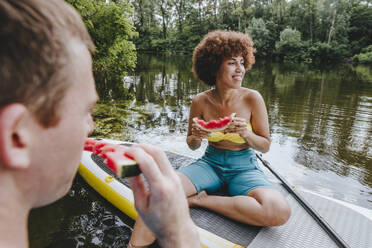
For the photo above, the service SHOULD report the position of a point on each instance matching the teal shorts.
(238, 170)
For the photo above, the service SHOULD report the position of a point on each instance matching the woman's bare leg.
(260, 207)
(187, 185)
(142, 235)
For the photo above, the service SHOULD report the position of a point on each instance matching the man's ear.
(14, 153)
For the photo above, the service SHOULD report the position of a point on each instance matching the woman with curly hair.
(221, 60)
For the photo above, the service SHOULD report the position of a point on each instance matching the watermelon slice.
(115, 157)
(89, 144)
(121, 163)
(214, 125)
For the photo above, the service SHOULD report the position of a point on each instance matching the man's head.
(46, 93)
(33, 53)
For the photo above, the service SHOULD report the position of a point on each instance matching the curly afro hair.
(217, 45)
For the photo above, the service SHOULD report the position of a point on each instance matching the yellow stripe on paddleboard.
(105, 190)
(210, 240)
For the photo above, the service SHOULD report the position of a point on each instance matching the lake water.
(320, 123)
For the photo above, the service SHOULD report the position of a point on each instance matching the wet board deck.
(353, 224)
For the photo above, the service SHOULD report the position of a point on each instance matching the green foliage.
(329, 30)
(304, 17)
(322, 52)
(261, 37)
(111, 29)
(360, 29)
(290, 37)
(363, 72)
(367, 49)
(290, 45)
(363, 58)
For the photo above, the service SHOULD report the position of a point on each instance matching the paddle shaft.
(321, 221)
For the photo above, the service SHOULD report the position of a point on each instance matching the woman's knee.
(277, 213)
(187, 185)
(276, 210)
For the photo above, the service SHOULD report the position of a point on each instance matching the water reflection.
(80, 219)
(327, 113)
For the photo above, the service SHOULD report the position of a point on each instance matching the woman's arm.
(259, 139)
(194, 133)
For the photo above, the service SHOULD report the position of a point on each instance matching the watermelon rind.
(126, 167)
(129, 170)
(195, 119)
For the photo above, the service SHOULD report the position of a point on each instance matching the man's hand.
(163, 208)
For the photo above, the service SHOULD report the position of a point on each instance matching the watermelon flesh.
(98, 147)
(89, 144)
(115, 157)
(105, 149)
(214, 125)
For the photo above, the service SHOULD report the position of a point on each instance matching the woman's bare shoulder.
(199, 103)
(252, 96)
(202, 97)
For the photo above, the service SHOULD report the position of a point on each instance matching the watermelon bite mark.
(98, 147)
(89, 144)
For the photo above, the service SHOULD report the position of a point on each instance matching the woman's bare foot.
(195, 200)
(141, 235)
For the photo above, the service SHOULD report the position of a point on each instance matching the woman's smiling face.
(231, 72)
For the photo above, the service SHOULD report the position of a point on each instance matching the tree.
(111, 29)
(328, 28)
(164, 7)
(290, 45)
(360, 31)
(261, 36)
(180, 6)
(365, 57)
(304, 17)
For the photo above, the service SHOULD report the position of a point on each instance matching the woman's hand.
(238, 125)
(196, 136)
(198, 133)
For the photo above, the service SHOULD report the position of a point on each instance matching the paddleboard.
(352, 223)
